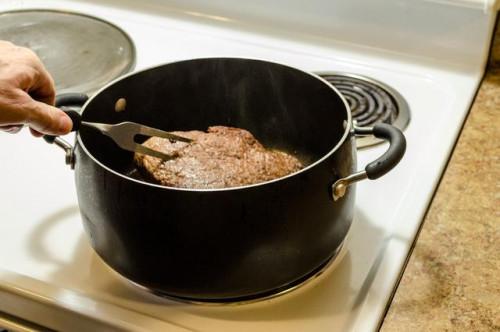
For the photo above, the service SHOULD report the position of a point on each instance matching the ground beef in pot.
(219, 158)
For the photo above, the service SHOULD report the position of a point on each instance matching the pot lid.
(81, 52)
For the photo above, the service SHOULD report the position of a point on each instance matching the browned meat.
(222, 157)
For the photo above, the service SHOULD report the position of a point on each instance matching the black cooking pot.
(223, 244)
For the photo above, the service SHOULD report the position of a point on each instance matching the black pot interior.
(282, 107)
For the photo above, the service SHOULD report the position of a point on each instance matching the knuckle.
(27, 52)
(6, 43)
(11, 95)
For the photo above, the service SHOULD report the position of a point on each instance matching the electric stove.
(417, 64)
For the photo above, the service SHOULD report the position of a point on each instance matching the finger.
(47, 119)
(37, 83)
(43, 88)
(35, 133)
(11, 129)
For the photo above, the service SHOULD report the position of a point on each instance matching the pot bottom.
(334, 258)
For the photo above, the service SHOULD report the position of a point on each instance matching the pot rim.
(347, 129)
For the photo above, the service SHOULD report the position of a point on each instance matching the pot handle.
(63, 101)
(382, 165)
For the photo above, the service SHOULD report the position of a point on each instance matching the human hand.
(27, 94)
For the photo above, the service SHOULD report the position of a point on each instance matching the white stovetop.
(46, 263)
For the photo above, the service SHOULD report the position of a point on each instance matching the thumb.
(48, 119)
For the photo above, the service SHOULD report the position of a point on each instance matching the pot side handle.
(382, 165)
(63, 101)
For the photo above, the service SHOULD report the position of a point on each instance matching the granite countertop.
(452, 281)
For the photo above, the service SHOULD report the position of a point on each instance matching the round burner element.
(81, 52)
(371, 102)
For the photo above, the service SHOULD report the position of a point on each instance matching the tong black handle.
(76, 118)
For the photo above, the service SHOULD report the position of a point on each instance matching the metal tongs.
(123, 134)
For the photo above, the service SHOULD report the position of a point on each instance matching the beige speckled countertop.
(452, 281)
